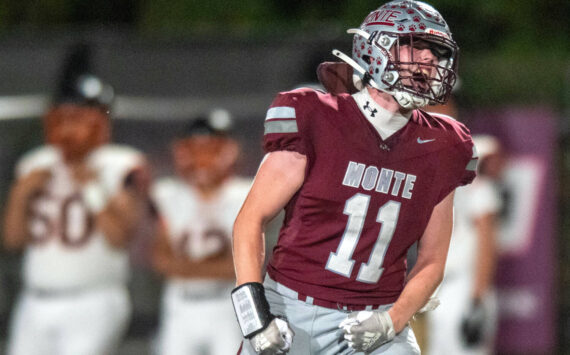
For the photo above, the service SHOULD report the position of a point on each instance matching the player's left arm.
(428, 271)
(120, 216)
(486, 227)
(475, 319)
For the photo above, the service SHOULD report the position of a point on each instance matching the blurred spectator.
(72, 208)
(193, 249)
(466, 321)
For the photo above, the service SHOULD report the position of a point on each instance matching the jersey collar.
(385, 122)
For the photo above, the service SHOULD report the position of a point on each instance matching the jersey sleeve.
(285, 126)
(159, 193)
(458, 166)
(43, 157)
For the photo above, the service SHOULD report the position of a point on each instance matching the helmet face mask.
(432, 82)
(384, 49)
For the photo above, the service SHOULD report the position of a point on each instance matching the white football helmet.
(376, 53)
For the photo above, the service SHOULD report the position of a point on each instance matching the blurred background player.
(193, 249)
(73, 207)
(466, 322)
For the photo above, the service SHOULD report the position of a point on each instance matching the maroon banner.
(526, 270)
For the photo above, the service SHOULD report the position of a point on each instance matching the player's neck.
(385, 121)
(207, 192)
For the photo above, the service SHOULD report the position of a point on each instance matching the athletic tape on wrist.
(252, 308)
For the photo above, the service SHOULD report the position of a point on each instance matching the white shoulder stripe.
(280, 112)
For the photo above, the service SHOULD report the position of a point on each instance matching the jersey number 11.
(356, 208)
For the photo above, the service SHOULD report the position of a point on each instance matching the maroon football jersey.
(364, 200)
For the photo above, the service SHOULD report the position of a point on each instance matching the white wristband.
(94, 196)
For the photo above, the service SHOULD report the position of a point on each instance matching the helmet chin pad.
(410, 101)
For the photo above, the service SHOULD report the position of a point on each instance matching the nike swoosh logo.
(422, 141)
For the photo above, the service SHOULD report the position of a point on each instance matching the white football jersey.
(471, 201)
(199, 228)
(67, 251)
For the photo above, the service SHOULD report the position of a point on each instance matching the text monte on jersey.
(380, 180)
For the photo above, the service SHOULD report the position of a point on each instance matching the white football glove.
(367, 330)
(275, 339)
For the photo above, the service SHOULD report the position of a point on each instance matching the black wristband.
(252, 308)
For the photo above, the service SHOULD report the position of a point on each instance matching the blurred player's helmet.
(78, 85)
(86, 90)
(78, 118)
(205, 154)
(376, 53)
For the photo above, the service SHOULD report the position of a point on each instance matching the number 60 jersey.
(364, 200)
(67, 251)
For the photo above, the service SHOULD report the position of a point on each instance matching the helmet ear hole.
(367, 59)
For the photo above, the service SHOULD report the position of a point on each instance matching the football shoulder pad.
(42, 157)
(454, 130)
(296, 118)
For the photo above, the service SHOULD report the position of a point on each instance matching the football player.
(468, 321)
(73, 208)
(193, 249)
(362, 176)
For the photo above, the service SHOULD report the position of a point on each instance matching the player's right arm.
(279, 177)
(15, 232)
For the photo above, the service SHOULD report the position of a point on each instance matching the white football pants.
(198, 326)
(87, 322)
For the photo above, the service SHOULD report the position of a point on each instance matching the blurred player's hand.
(275, 339)
(32, 183)
(473, 323)
(367, 330)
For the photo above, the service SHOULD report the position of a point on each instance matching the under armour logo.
(384, 146)
(367, 107)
